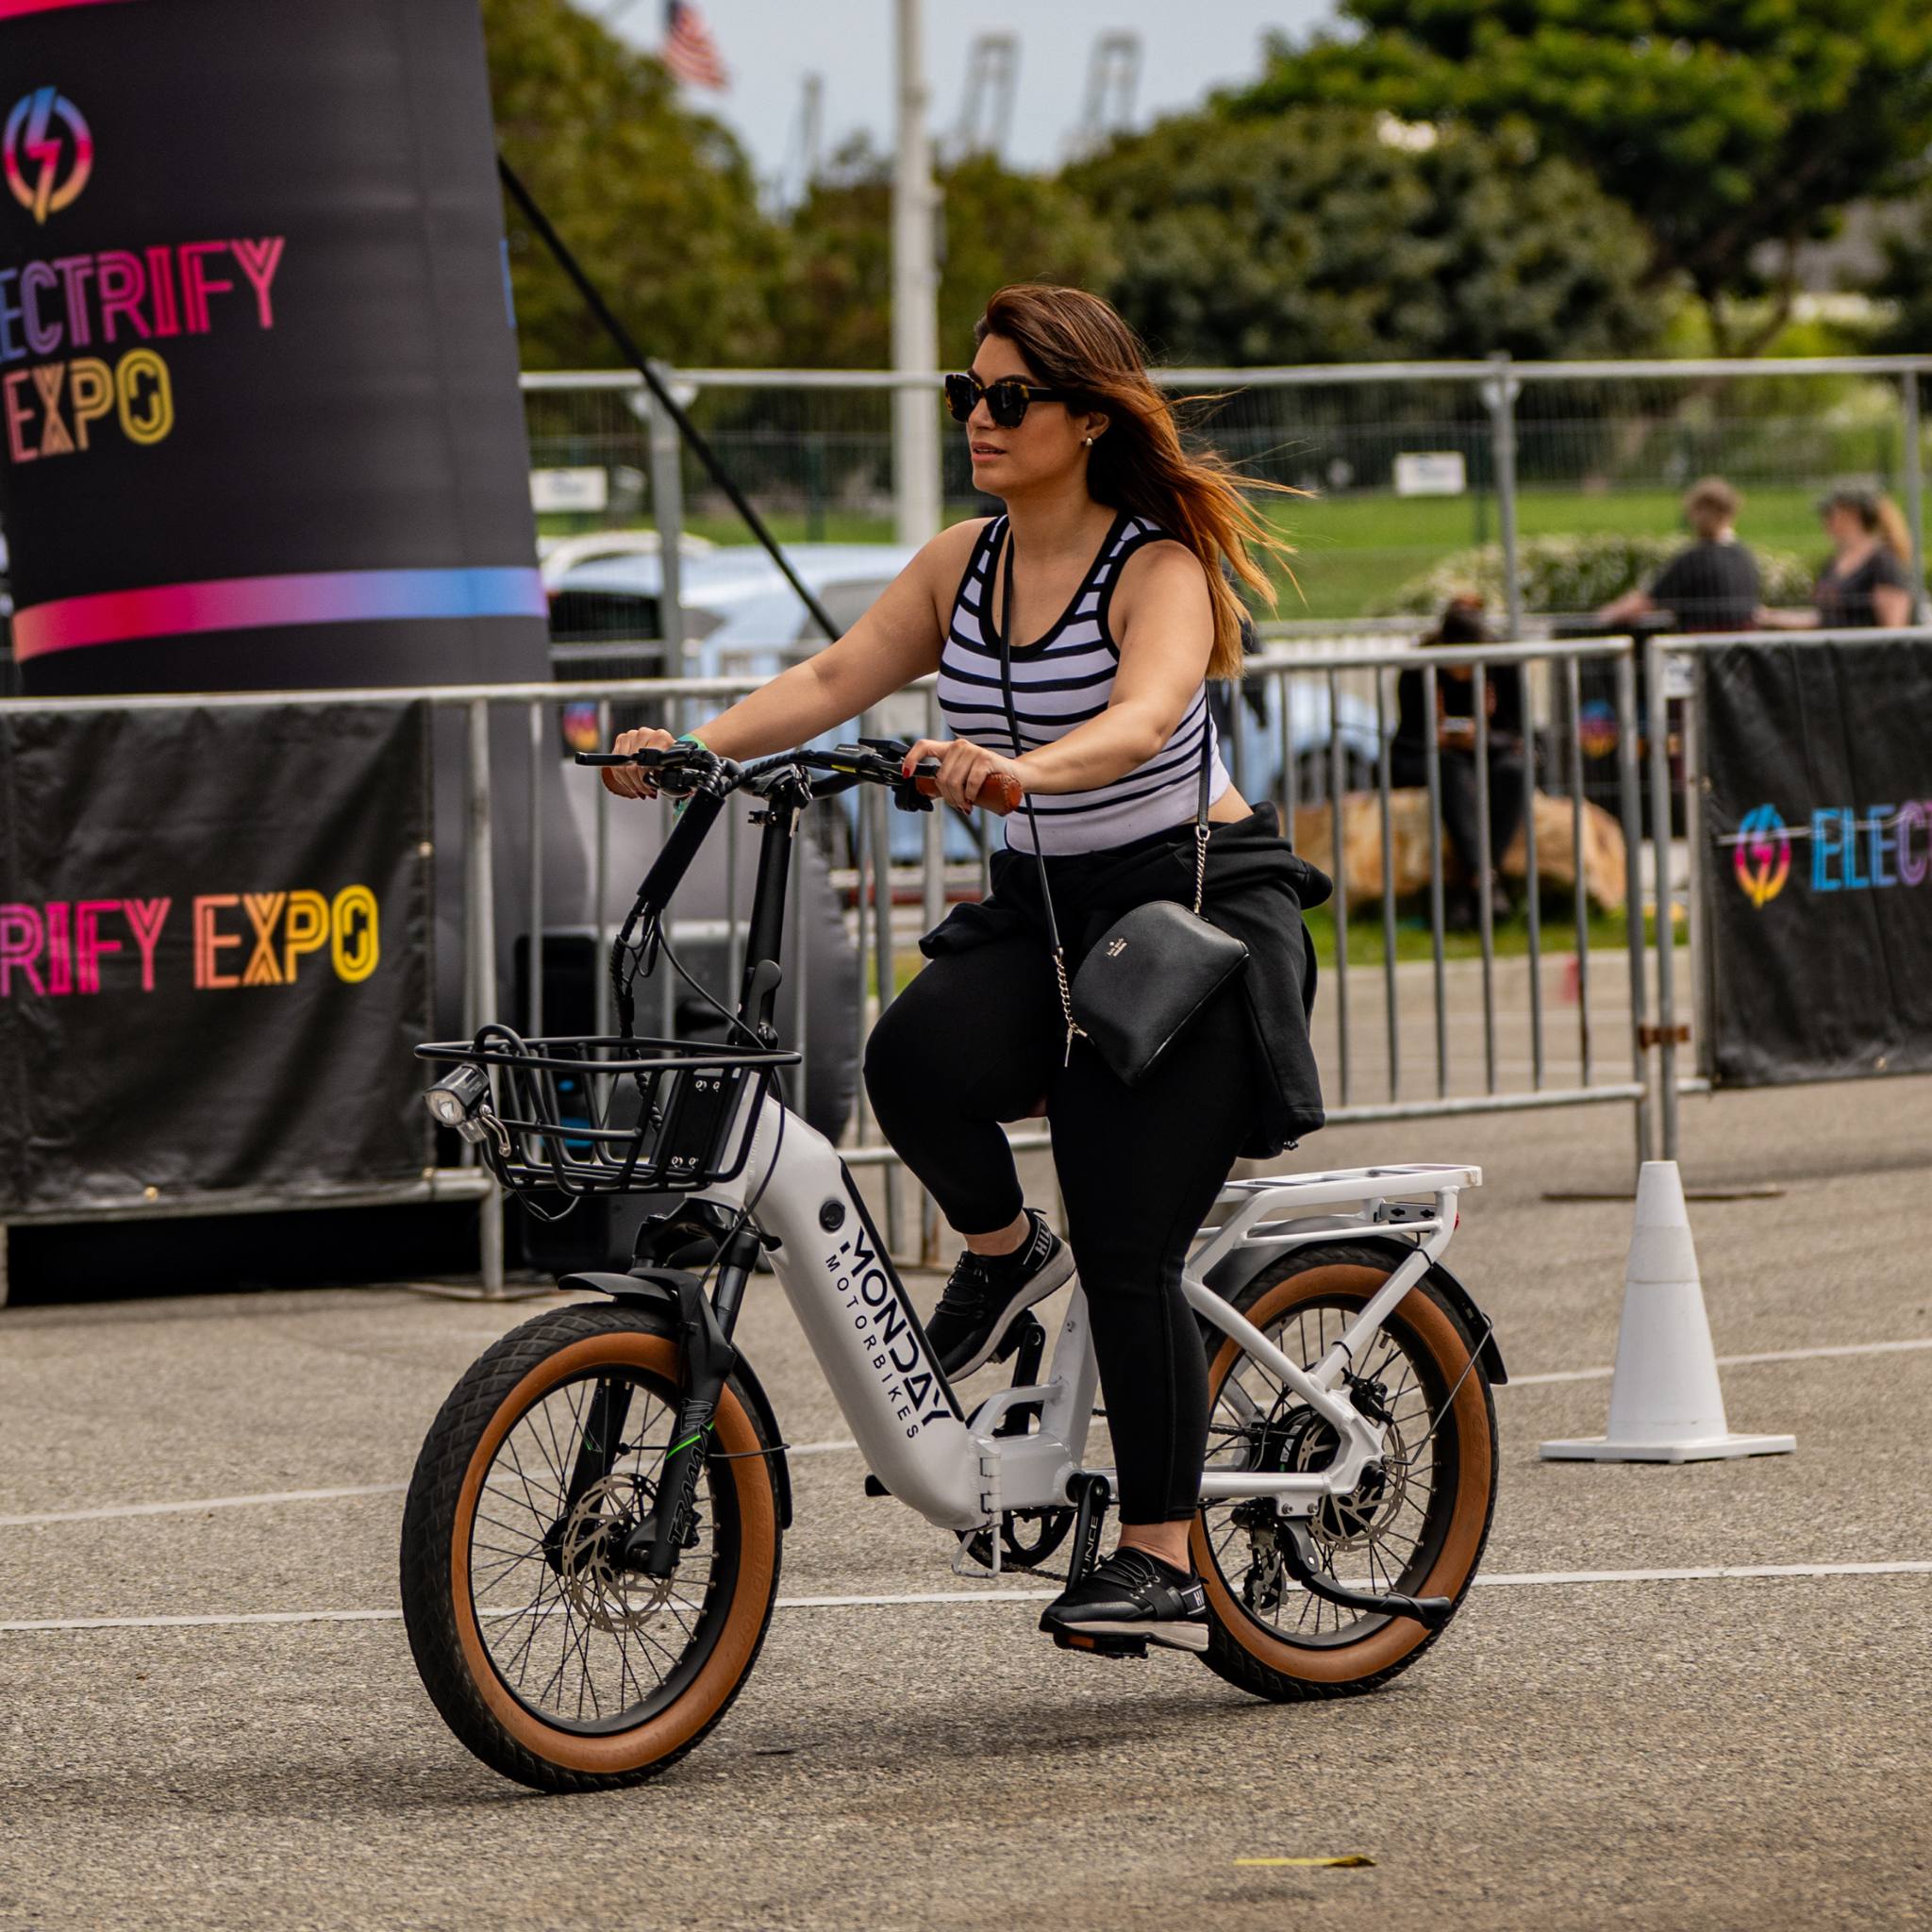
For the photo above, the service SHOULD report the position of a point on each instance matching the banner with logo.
(260, 425)
(1818, 830)
(214, 953)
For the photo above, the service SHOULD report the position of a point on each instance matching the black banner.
(214, 953)
(259, 426)
(1818, 837)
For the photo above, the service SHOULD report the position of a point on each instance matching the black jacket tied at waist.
(1256, 890)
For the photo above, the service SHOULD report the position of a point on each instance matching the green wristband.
(677, 805)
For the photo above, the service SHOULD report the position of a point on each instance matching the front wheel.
(547, 1650)
(1416, 1525)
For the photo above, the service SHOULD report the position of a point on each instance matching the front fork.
(706, 1359)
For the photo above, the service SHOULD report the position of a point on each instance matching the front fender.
(1232, 1273)
(644, 1289)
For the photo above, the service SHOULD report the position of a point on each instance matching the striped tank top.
(1061, 680)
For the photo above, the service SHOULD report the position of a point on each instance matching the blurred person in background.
(1868, 581)
(1453, 727)
(1711, 586)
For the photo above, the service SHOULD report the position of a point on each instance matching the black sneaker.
(987, 1291)
(1127, 1602)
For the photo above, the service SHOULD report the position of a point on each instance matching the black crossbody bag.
(1158, 966)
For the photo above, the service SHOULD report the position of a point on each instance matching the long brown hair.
(1878, 514)
(1075, 340)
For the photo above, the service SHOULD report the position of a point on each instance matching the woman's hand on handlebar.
(632, 781)
(967, 770)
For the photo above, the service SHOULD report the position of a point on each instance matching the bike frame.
(848, 1298)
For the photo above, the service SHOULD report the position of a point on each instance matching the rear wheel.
(1416, 1525)
(557, 1661)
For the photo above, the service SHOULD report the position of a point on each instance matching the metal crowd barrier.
(1406, 1041)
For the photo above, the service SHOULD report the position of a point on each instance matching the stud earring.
(1088, 440)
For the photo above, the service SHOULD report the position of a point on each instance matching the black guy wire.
(628, 347)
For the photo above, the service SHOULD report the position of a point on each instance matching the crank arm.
(1299, 1559)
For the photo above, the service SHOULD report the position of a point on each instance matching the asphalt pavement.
(1592, 1745)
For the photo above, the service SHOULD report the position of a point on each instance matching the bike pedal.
(1101, 1646)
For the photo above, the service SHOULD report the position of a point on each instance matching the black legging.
(978, 1038)
(1457, 776)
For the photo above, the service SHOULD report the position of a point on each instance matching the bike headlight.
(455, 1096)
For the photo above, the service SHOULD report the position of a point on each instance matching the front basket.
(596, 1114)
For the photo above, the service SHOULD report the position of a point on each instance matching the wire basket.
(597, 1114)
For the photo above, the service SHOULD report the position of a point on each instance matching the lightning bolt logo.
(1761, 855)
(44, 129)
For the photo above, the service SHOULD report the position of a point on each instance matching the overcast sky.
(1186, 47)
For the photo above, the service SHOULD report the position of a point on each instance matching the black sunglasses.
(1005, 399)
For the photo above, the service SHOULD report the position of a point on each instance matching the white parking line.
(1534, 1578)
(203, 1503)
(844, 1446)
(1741, 1361)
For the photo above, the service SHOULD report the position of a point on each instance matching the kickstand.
(1300, 1559)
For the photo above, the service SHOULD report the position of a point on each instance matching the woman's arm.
(896, 640)
(1764, 618)
(1164, 623)
(1892, 605)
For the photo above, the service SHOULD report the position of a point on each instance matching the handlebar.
(871, 761)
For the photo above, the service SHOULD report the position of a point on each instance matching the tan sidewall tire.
(671, 1730)
(1455, 1563)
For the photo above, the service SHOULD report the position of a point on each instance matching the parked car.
(742, 619)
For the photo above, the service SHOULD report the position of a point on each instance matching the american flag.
(688, 50)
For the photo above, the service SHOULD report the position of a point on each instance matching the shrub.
(1575, 574)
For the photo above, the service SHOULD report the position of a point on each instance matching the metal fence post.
(480, 978)
(1915, 490)
(1659, 710)
(1499, 393)
(1631, 801)
(667, 508)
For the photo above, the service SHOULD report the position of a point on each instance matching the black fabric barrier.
(1818, 871)
(214, 953)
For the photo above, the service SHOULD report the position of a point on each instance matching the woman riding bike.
(1106, 581)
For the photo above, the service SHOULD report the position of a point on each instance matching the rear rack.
(1416, 1200)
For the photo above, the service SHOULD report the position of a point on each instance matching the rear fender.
(1232, 1273)
(646, 1290)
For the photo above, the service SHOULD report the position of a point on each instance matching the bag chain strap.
(1074, 1030)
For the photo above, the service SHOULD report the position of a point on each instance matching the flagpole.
(915, 292)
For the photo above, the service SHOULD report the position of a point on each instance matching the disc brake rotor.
(603, 1593)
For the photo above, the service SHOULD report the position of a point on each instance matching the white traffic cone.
(1665, 1402)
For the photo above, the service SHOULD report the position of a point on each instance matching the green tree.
(1322, 235)
(1906, 284)
(1723, 127)
(995, 225)
(659, 201)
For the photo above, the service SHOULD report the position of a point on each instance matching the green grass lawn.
(1355, 549)
(1608, 932)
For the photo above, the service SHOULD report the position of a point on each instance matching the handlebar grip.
(1000, 794)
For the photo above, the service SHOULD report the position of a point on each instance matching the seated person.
(1712, 585)
(1453, 728)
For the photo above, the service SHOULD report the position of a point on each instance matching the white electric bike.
(590, 1544)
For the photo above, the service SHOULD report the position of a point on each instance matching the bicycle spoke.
(596, 1640)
